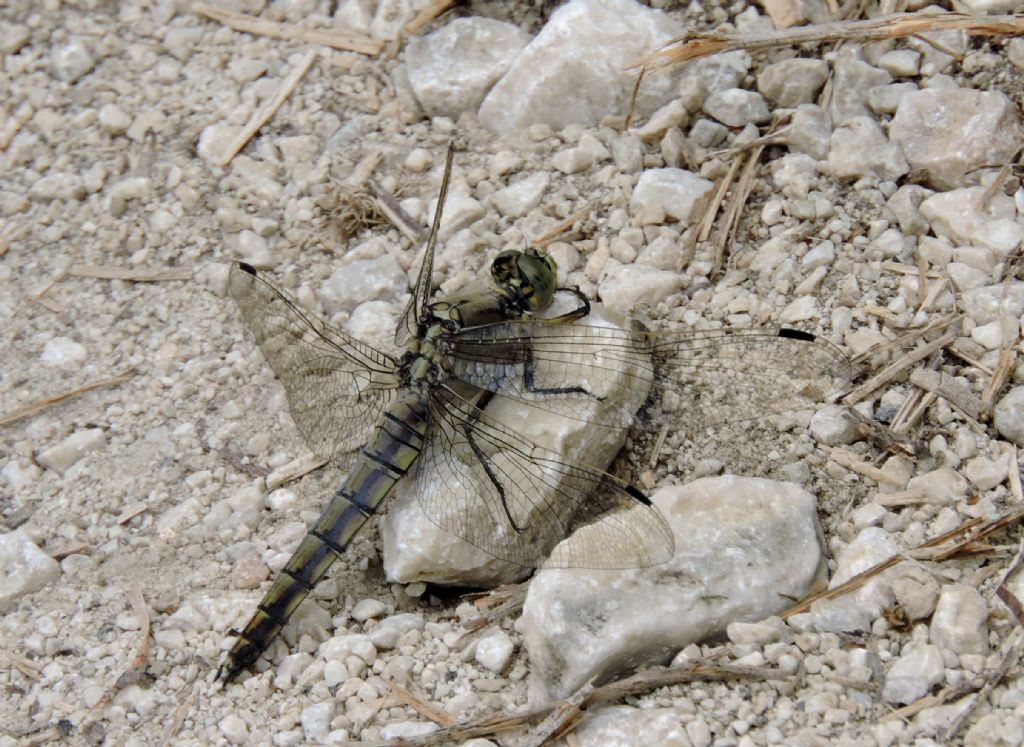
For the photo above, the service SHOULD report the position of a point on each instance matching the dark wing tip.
(638, 494)
(796, 334)
(246, 267)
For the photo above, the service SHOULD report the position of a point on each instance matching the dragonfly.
(385, 418)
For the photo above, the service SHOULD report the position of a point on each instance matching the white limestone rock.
(380, 279)
(417, 549)
(792, 82)
(519, 198)
(453, 68)
(494, 651)
(24, 568)
(951, 132)
(958, 213)
(913, 674)
(855, 611)
(623, 287)
(989, 303)
(574, 70)
(859, 148)
(960, 621)
(60, 457)
(737, 107)
(745, 547)
(1009, 415)
(670, 193)
(915, 589)
(831, 427)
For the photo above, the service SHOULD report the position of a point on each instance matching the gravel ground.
(117, 226)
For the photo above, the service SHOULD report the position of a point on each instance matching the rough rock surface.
(950, 133)
(452, 69)
(744, 545)
(574, 69)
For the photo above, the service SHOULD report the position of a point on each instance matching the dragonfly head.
(529, 277)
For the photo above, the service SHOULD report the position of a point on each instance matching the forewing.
(707, 378)
(337, 386)
(516, 501)
(415, 310)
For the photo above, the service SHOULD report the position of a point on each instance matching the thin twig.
(731, 219)
(894, 26)
(263, 115)
(428, 14)
(638, 684)
(561, 227)
(389, 207)
(561, 720)
(428, 710)
(138, 275)
(897, 367)
(1009, 654)
(178, 717)
(293, 470)
(46, 403)
(260, 27)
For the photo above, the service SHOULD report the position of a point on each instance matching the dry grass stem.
(137, 275)
(1007, 363)
(1009, 654)
(905, 269)
(561, 227)
(846, 458)
(428, 14)
(951, 390)
(897, 367)
(894, 26)
(638, 684)
(427, 710)
(730, 221)
(178, 717)
(562, 720)
(901, 498)
(274, 30)
(1015, 486)
(708, 222)
(912, 410)
(927, 550)
(48, 402)
(263, 115)
(293, 470)
(907, 337)
(388, 206)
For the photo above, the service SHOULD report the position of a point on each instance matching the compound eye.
(503, 266)
(450, 326)
(537, 277)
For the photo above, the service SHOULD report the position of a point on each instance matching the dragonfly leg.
(485, 461)
(576, 314)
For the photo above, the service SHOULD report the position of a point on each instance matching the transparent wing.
(708, 377)
(337, 386)
(415, 310)
(481, 481)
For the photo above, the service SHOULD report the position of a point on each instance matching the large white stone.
(960, 622)
(745, 548)
(574, 70)
(911, 676)
(623, 287)
(417, 549)
(24, 568)
(951, 132)
(670, 193)
(452, 69)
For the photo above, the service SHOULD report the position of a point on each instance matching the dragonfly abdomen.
(381, 465)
